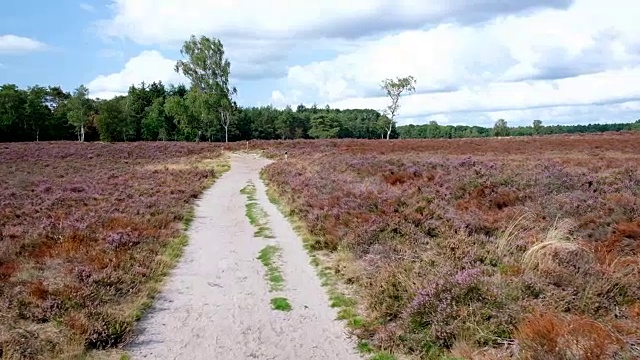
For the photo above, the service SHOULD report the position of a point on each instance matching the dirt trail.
(216, 304)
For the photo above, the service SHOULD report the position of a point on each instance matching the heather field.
(477, 248)
(87, 231)
(434, 249)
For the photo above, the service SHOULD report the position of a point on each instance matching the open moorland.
(86, 233)
(485, 249)
(433, 249)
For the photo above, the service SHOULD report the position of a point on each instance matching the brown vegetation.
(478, 248)
(86, 233)
(481, 248)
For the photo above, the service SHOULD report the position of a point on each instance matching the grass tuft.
(507, 239)
(269, 258)
(558, 240)
(255, 213)
(280, 304)
(383, 356)
(364, 347)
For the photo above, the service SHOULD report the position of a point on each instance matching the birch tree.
(394, 89)
(78, 114)
(208, 70)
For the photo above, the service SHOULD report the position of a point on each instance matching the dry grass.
(507, 240)
(558, 241)
(545, 335)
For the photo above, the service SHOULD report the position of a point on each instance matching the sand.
(216, 302)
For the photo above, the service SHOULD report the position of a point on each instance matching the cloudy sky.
(561, 61)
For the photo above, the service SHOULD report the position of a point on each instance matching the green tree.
(12, 113)
(537, 127)
(37, 113)
(263, 125)
(395, 89)
(285, 123)
(324, 126)
(155, 124)
(208, 70)
(201, 106)
(139, 100)
(500, 128)
(79, 110)
(185, 120)
(58, 127)
(112, 120)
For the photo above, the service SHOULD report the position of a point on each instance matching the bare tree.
(394, 89)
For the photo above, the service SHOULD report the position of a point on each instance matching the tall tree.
(208, 70)
(501, 128)
(155, 125)
(395, 89)
(79, 110)
(112, 120)
(537, 127)
(37, 113)
(59, 127)
(285, 123)
(12, 108)
(324, 126)
(184, 117)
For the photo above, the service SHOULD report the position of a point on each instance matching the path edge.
(171, 257)
(339, 294)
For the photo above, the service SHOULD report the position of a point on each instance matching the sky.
(475, 61)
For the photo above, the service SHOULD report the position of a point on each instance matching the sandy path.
(216, 303)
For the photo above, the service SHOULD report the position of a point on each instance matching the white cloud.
(475, 61)
(259, 36)
(579, 114)
(551, 58)
(18, 44)
(149, 66)
(166, 21)
(87, 7)
(278, 99)
(610, 86)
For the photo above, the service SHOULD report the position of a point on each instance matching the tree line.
(433, 130)
(206, 111)
(155, 112)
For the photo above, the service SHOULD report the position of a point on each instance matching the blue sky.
(562, 61)
(71, 56)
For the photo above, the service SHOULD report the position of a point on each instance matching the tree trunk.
(82, 133)
(226, 133)
(389, 130)
(38, 135)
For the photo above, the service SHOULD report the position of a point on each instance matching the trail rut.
(216, 303)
